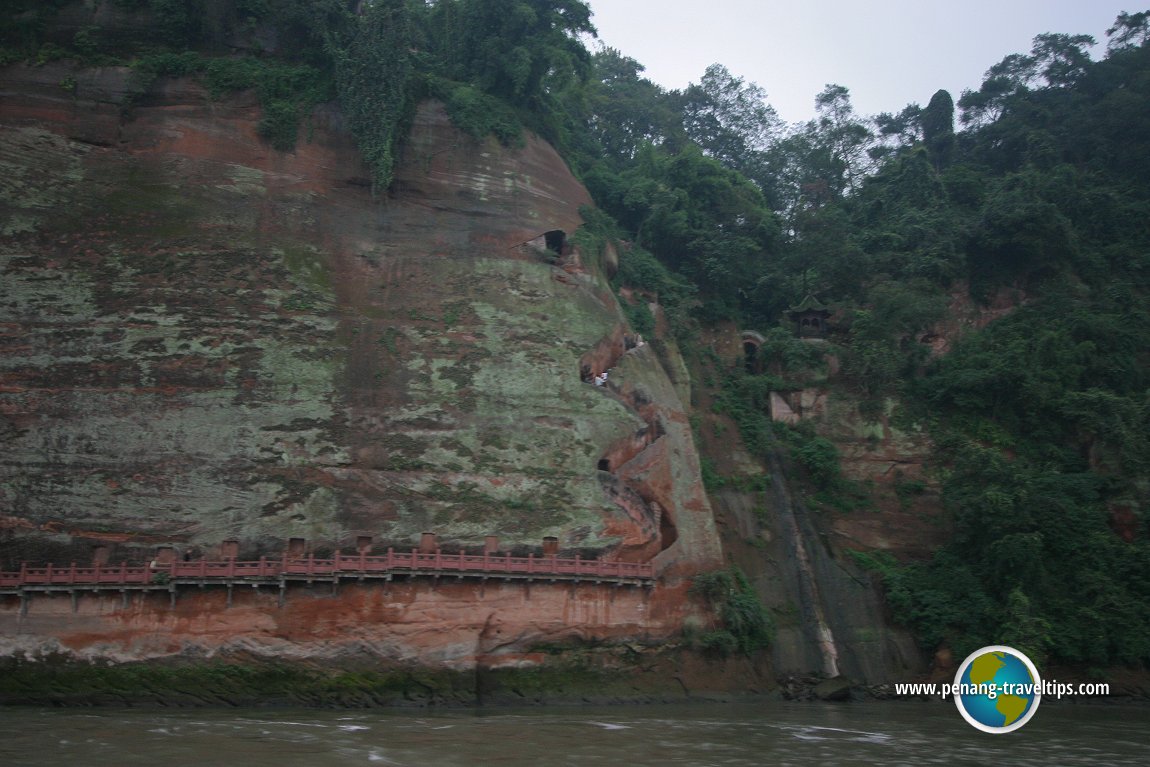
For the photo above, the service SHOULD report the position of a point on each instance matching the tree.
(938, 128)
(521, 51)
(1061, 59)
(624, 110)
(1020, 233)
(894, 132)
(706, 221)
(842, 139)
(1130, 30)
(729, 118)
(1005, 79)
(818, 161)
(1055, 61)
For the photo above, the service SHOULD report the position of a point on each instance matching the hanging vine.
(373, 74)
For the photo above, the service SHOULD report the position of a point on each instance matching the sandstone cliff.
(207, 341)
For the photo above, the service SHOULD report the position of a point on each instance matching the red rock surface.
(209, 340)
(418, 622)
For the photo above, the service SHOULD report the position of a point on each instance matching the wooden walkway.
(343, 567)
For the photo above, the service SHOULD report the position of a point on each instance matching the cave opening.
(555, 240)
(668, 534)
(604, 464)
(750, 357)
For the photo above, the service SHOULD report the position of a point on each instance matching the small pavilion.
(810, 318)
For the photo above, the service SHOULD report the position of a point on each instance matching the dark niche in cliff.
(554, 240)
(550, 245)
(668, 533)
(752, 359)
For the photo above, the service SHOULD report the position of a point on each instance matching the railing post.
(576, 564)
(72, 575)
(23, 572)
(49, 572)
(263, 565)
(390, 558)
(530, 561)
(123, 571)
(438, 559)
(311, 563)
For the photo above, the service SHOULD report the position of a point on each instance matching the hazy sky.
(889, 53)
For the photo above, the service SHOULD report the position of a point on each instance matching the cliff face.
(205, 340)
(831, 614)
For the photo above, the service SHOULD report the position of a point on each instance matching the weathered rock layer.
(205, 340)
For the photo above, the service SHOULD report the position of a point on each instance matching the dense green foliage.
(496, 65)
(285, 90)
(746, 626)
(372, 72)
(1040, 418)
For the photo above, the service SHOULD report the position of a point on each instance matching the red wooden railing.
(343, 565)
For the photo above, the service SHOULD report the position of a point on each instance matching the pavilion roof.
(809, 304)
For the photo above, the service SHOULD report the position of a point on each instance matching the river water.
(768, 733)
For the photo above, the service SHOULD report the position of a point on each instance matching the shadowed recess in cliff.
(626, 488)
(752, 360)
(556, 249)
(604, 355)
(548, 246)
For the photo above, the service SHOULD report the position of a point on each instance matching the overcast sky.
(889, 53)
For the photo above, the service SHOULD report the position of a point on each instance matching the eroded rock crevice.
(636, 489)
(604, 356)
(626, 468)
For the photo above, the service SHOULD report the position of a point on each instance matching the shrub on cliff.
(746, 623)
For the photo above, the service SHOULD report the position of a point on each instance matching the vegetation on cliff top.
(1039, 418)
(497, 64)
(1040, 202)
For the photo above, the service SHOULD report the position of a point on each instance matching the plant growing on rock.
(746, 624)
